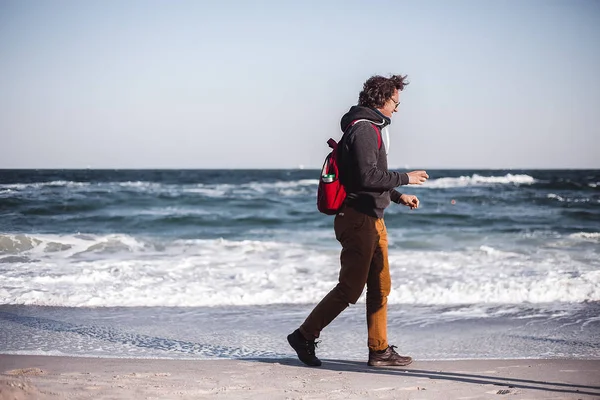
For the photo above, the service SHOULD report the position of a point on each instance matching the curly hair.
(378, 89)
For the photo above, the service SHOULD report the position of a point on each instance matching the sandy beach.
(49, 377)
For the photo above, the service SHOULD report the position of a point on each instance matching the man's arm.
(364, 146)
(405, 199)
(395, 196)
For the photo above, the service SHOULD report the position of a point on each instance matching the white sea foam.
(258, 187)
(478, 180)
(555, 196)
(38, 185)
(214, 190)
(586, 235)
(495, 252)
(251, 189)
(283, 188)
(138, 184)
(567, 199)
(121, 270)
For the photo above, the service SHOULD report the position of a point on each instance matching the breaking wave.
(478, 180)
(122, 270)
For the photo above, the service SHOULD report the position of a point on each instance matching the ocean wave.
(67, 245)
(283, 188)
(143, 185)
(562, 199)
(122, 270)
(478, 180)
(38, 185)
(586, 235)
(297, 187)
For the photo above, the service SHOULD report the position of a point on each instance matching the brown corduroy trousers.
(364, 261)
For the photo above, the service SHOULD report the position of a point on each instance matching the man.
(359, 224)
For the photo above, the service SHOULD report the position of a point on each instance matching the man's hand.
(410, 201)
(417, 177)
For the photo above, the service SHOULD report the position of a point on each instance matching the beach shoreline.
(57, 377)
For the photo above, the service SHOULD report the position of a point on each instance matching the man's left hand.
(409, 200)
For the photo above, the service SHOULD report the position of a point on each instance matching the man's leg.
(379, 284)
(357, 233)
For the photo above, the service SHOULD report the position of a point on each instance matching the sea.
(212, 264)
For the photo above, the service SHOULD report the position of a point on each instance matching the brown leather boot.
(388, 358)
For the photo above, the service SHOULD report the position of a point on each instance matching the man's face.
(391, 106)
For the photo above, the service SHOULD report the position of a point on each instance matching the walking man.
(359, 225)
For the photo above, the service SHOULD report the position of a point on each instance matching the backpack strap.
(378, 135)
(374, 127)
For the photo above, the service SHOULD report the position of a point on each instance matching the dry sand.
(40, 377)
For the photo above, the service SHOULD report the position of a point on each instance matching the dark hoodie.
(363, 166)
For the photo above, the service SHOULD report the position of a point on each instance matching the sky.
(263, 84)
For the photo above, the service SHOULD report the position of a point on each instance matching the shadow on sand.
(361, 367)
(208, 350)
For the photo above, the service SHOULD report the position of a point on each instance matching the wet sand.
(49, 377)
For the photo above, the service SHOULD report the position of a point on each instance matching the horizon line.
(290, 169)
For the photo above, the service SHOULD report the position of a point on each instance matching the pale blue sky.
(263, 84)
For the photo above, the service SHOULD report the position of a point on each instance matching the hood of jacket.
(360, 112)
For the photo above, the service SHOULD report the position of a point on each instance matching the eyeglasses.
(397, 103)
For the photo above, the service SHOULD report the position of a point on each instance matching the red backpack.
(331, 193)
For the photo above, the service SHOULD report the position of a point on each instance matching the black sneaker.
(304, 348)
(388, 358)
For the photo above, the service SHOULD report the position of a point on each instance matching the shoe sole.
(386, 364)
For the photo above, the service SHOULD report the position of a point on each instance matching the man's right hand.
(417, 177)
